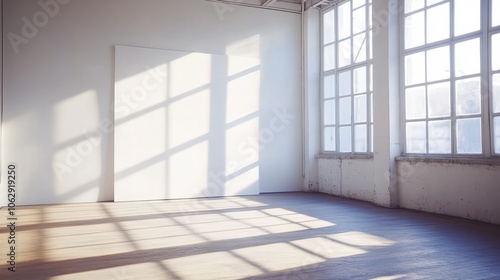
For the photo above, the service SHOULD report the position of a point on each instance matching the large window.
(346, 76)
(451, 77)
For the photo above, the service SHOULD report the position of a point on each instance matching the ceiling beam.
(241, 3)
(319, 3)
(316, 3)
(268, 2)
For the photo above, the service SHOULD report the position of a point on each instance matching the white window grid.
(366, 123)
(487, 114)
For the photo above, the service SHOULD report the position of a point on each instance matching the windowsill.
(450, 160)
(493, 161)
(344, 156)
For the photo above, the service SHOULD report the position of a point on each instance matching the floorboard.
(271, 236)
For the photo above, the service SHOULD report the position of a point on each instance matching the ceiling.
(282, 5)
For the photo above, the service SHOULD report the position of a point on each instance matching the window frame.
(335, 72)
(490, 72)
(485, 75)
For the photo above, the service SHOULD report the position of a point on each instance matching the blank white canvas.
(183, 124)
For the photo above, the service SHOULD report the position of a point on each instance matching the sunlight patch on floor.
(357, 238)
(127, 272)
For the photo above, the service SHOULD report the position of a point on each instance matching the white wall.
(58, 89)
(467, 189)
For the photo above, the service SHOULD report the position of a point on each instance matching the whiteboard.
(186, 124)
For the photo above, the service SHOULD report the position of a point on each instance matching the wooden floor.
(274, 236)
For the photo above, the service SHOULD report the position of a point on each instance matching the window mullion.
(402, 84)
(337, 101)
(367, 78)
(453, 120)
(487, 117)
(427, 137)
(322, 81)
(322, 110)
(353, 134)
(453, 99)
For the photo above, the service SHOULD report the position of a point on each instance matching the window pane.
(344, 53)
(371, 136)
(360, 108)
(345, 83)
(359, 20)
(440, 137)
(345, 110)
(329, 87)
(329, 57)
(495, 51)
(414, 30)
(329, 110)
(413, 5)
(370, 17)
(415, 69)
(371, 78)
(496, 93)
(344, 24)
(497, 134)
(357, 3)
(438, 64)
(467, 58)
(359, 45)
(329, 139)
(467, 16)
(370, 41)
(438, 100)
(416, 137)
(432, 2)
(371, 107)
(438, 23)
(469, 136)
(329, 27)
(495, 11)
(345, 139)
(415, 103)
(359, 80)
(360, 139)
(468, 97)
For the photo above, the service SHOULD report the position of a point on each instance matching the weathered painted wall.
(351, 178)
(467, 190)
(461, 188)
